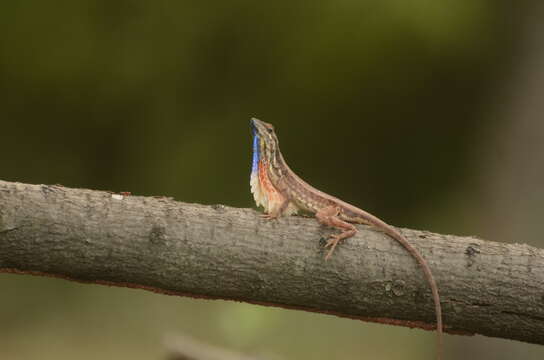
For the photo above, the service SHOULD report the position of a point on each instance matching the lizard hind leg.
(329, 216)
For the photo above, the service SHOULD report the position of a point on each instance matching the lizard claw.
(268, 216)
(333, 241)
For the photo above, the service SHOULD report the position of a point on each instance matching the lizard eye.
(270, 129)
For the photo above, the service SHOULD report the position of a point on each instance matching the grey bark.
(221, 252)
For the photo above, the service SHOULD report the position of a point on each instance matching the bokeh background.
(426, 113)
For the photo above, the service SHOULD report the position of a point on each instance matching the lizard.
(281, 192)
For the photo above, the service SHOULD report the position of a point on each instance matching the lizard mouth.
(253, 126)
(257, 126)
(254, 123)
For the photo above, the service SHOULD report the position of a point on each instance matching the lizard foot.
(333, 241)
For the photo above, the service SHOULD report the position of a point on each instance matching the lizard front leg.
(278, 210)
(278, 199)
(329, 216)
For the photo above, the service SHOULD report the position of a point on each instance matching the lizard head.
(265, 141)
(268, 167)
(264, 148)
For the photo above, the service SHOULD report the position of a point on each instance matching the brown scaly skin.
(291, 194)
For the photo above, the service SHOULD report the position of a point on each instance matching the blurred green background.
(426, 113)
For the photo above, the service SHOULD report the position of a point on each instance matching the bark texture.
(221, 252)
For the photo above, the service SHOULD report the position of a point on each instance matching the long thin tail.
(395, 234)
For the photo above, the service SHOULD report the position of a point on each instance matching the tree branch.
(220, 252)
(182, 347)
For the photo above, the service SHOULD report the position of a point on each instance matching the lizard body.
(280, 191)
